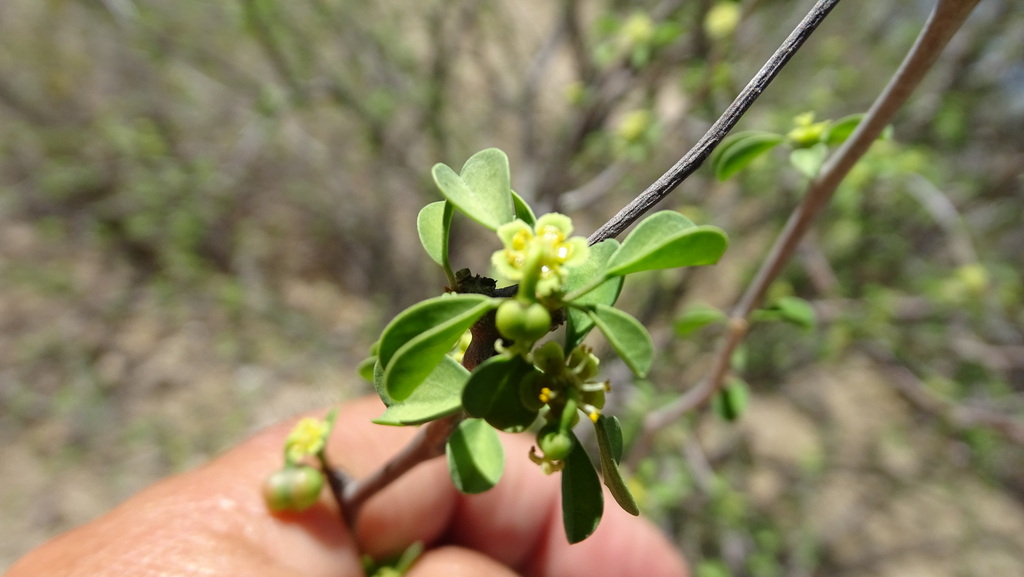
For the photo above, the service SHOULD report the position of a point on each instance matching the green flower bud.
(554, 443)
(522, 322)
(293, 488)
(584, 363)
(549, 358)
(595, 398)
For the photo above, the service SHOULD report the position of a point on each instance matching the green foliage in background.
(201, 173)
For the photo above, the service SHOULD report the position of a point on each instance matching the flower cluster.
(307, 438)
(566, 386)
(296, 486)
(539, 256)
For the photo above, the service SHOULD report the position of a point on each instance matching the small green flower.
(307, 438)
(566, 385)
(543, 252)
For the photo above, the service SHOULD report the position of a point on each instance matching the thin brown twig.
(945, 20)
(700, 152)
(428, 444)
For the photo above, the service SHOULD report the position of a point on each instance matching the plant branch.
(428, 444)
(700, 152)
(945, 20)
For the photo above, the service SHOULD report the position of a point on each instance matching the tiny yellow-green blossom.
(307, 438)
(554, 250)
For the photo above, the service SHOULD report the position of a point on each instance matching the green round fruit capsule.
(293, 488)
(521, 321)
(554, 443)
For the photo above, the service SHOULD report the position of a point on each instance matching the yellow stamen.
(520, 239)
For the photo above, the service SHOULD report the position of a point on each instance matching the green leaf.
(739, 150)
(582, 497)
(667, 239)
(627, 336)
(433, 223)
(420, 336)
(609, 442)
(378, 383)
(523, 210)
(476, 458)
(492, 393)
(842, 129)
(614, 432)
(808, 161)
(482, 191)
(586, 275)
(439, 396)
(697, 317)
(421, 317)
(797, 311)
(365, 368)
(731, 402)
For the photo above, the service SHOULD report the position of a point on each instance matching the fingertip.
(509, 521)
(457, 562)
(621, 545)
(416, 507)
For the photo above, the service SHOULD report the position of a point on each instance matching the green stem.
(535, 257)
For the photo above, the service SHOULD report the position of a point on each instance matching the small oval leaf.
(731, 402)
(627, 336)
(492, 393)
(523, 210)
(609, 442)
(582, 497)
(365, 368)
(739, 150)
(842, 129)
(482, 191)
(808, 161)
(586, 275)
(433, 224)
(476, 458)
(421, 317)
(797, 311)
(410, 365)
(697, 317)
(667, 239)
(440, 395)
(378, 384)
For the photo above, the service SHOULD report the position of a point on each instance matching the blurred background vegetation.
(207, 213)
